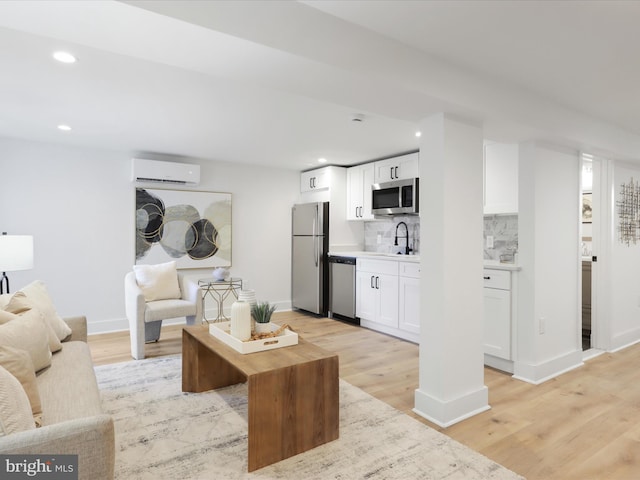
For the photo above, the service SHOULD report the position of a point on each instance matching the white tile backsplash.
(504, 229)
(385, 229)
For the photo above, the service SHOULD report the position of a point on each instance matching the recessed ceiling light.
(64, 57)
(322, 160)
(64, 128)
(418, 134)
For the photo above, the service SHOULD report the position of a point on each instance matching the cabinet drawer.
(409, 269)
(388, 267)
(500, 279)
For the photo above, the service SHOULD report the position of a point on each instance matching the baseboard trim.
(122, 324)
(625, 340)
(542, 372)
(498, 363)
(447, 413)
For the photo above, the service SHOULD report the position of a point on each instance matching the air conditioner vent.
(165, 172)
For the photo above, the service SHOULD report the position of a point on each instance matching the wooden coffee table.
(293, 391)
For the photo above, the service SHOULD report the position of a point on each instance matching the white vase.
(241, 320)
(220, 274)
(263, 327)
(248, 296)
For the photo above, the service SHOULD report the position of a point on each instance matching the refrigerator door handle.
(316, 246)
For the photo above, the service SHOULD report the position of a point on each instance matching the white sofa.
(73, 421)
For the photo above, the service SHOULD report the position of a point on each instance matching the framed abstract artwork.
(193, 228)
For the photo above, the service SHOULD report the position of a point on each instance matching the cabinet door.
(367, 181)
(314, 180)
(497, 323)
(387, 287)
(366, 296)
(500, 178)
(409, 299)
(397, 168)
(359, 181)
(355, 193)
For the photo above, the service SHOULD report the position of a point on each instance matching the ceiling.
(279, 83)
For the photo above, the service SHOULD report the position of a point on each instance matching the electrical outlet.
(489, 241)
(541, 325)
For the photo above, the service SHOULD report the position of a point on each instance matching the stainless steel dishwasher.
(342, 288)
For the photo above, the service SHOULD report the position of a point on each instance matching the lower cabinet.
(498, 319)
(386, 301)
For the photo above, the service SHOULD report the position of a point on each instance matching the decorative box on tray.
(221, 330)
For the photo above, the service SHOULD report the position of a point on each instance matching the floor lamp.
(16, 253)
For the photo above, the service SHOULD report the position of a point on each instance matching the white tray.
(220, 330)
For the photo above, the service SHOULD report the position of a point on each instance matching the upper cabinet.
(359, 181)
(397, 168)
(500, 178)
(318, 179)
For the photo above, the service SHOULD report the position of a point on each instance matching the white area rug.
(162, 433)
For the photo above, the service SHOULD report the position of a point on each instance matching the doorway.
(590, 181)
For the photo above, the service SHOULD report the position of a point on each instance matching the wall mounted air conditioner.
(165, 172)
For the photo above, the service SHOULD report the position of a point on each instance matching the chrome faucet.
(406, 237)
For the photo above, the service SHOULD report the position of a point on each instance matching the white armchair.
(145, 318)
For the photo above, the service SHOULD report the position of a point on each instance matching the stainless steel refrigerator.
(309, 267)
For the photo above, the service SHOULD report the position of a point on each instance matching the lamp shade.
(16, 252)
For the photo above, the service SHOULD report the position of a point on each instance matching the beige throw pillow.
(18, 363)
(19, 304)
(38, 297)
(158, 282)
(28, 333)
(15, 410)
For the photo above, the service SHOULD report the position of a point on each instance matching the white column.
(451, 261)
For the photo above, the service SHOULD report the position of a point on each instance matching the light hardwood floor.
(581, 425)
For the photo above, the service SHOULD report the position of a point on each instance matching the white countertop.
(377, 256)
(497, 265)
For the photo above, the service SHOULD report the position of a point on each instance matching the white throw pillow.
(15, 409)
(29, 333)
(158, 282)
(38, 298)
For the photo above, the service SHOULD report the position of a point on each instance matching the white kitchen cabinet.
(388, 297)
(359, 181)
(409, 297)
(497, 315)
(500, 178)
(318, 179)
(397, 168)
(377, 292)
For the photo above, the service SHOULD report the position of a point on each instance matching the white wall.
(79, 206)
(548, 236)
(624, 273)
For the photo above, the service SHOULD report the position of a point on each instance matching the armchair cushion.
(158, 282)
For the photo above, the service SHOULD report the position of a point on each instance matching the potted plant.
(261, 313)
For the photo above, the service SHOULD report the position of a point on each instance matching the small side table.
(219, 290)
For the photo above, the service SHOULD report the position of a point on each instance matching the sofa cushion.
(29, 333)
(18, 363)
(15, 412)
(68, 389)
(19, 305)
(38, 297)
(158, 282)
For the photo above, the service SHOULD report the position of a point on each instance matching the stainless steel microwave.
(399, 197)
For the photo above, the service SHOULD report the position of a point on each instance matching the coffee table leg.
(203, 369)
(292, 410)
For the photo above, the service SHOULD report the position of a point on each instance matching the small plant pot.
(263, 327)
